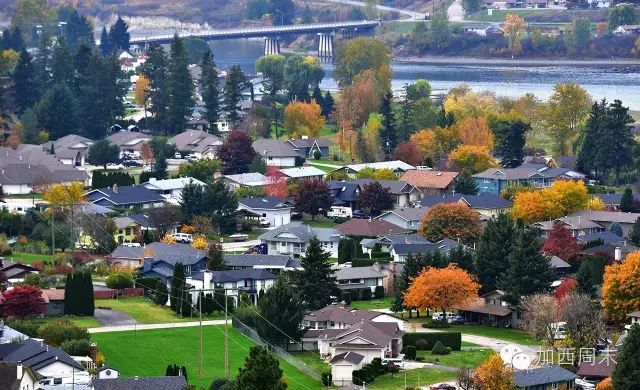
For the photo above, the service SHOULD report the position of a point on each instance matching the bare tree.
(164, 218)
(584, 322)
(465, 379)
(541, 312)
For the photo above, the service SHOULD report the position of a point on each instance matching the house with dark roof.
(197, 143)
(560, 266)
(158, 259)
(485, 203)
(129, 141)
(14, 376)
(345, 193)
(306, 147)
(579, 226)
(407, 218)
(271, 263)
(491, 309)
(55, 366)
(343, 365)
(272, 209)
(545, 377)
(494, 180)
(604, 237)
(404, 193)
(15, 272)
(608, 218)
(368, 228)
(401, 250)
(71, 149)
(141, 383)
(275, 152)
(126, 197)
(247, 281)
(292, 239)
(431, 182)
(355, 278)
(596, 370)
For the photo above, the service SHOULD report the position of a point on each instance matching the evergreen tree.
(177, 288)
(56, 112)
(510, 138)
(160, 167)
(258, 165)
(463, 258)
(78, 30)
(232, 93)
(102, 153)
(155, 69)
(62, 71)
(221, 204)
(616, 229)
(316, 282)
(42, 61)
(626, 202)
(388, 138)
(626, 375)
(161, 294)
(584, 279)
(317, 96)
(412, 267)
(529, 271)
(69, 295)
(284, 311)
(119, 35)
(493, 251)
(105, 42)
(210, 88)
(261, 370)
(29, 121)
(26, 88)
(180, 88)
(445, 119)
(634, 234)
(465, 184)
(215, 258)
(328, 104)
(191, 198)
(589, 138)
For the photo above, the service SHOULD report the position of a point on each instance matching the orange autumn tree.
(471, 159)
(562, 198)
(475, 131)
(303, 119)
(493, 374)
(142, 90)
(277, 183)
(441, 288)
(621, 288)
(605, 384)
(425, 141)
(455, 221)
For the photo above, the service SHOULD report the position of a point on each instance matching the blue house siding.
(495, 186)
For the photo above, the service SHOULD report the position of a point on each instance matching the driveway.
(113, 318)
(455, 13)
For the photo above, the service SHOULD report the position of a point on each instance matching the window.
(264, 214)
(187, 270)
(57, 381)
(128, 231)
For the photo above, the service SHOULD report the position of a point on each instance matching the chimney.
(115, 188)
(206, 278)
(376, 266)
(180, 371)
(19, 371)
(136, 378)
(617, 254)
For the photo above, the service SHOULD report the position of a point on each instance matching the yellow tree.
(621, 288)
(567, 110)
(65, 194)
(200, 242)
(441, 288)
(475, 131)
(465, 103)
(471, 159)
(425, 141)
(514, 26)
(142, 91)
(303, 119)
(595, 204)
(168, 239)
(569, 196)
(493, 374)
(529, 206)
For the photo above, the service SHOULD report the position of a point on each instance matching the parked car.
(398, 361)
(584, 384)
(132, 163)
(339, 212)
(359, 214)
(439, 317)
(177, 155)
(457, 320)
(264, 223)
(131, 244)
(115, 166)
(191, 157)
(442, 386)
(183, 238)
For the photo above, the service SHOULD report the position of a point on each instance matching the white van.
(183, 238)
(131, 244)
(397, 361)
(438, 317)
(340, 212)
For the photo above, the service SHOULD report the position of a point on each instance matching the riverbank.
(516, 61)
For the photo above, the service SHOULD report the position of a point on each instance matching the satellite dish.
(508, 352)
(521, 361)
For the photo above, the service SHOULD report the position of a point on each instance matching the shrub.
(380, 255)
(354, 294)
(392, 368)
(247, 315)
(346, 297)
(161, 293)
(429, 323)
(57, 332)
(118, 282)
(379, 294)
(410, 352)
(365, 262)
(356, 376)
(440, 349)
(80, 347)
(317, 155)
(449, 339)
(27, 327)
(422, 345)
(147, 283)
(327, 379)
(366, 294)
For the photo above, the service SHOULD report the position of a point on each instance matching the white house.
(305, 172)
(292, 239)
(241, 281)
(14, 376)
(361, 277)
(342, 317)
(397, 166)
(248, 180)
(71, 149)
(481, 29)
(273, 209)
(171, 189)
(405, 217)
(627, 29)
(197, 143)
(276, 153)
(343, 365)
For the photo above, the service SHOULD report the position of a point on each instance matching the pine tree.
(119, 35)
(388, 137)
(69, 294)
(510, 138)
(29, 122)
(177, 287)
(261, 370)
(412, 267)
(232, 93)
(317, 96)
(155, 69)
(493, 251)
(584, 278)
(626, 202)
(57, 112)
(160, 167)
(634, 234)
(328, 104)
(180, 88)
(210, 88)
(529, 271)
(26, 89)
(626, 375)
(465, 184)
(215, 258)
(316, 282)
(284, 310)
(62, 71)
(105, 42)
(221, 204)
(463, 258)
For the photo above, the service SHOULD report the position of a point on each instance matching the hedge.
(449, 339)
(364, 262)
(380, 255)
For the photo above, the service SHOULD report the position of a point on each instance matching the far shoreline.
(462, 60)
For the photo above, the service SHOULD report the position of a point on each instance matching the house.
(579, 226)
(491, 309)
(53, 302)
(404, 193)
(157, 259)
(125, 197)
(141, 383)
(306, 147)
(271, 263)
(245, 180)
(276, 153)
(494, 180)
(15, 272)
(431, 182)
(627, 29)
(343, 365)
(560, 266)
(345, 193)
(71, 149)
(106, 372)
(273, 209)
(401, 250)
(129, 141)
(407, 218)
(14, 376)
(9, 335)
(128, 230)
(596, 370)
(197, 143)
(240, 281)
(368, 228)
(608, 218)
(604, 237)
(171, 189)
(343, 317)
(350, 278)
(613, 252)
(397, 166)
(481, 29)
(304, 172)
(292, 239)
(485, 203)
(545, 377)
(55, 366)
(29, 169)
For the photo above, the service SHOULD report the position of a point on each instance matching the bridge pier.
(325, 45)
(271, 46)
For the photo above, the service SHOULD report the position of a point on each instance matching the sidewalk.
(124, 328)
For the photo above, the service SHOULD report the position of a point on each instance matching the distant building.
(482, 29)
(546, 377)
(273, 209)
(292, 239)
(171, 189)
(306, 147)
(275, 152)
(71, 149)
(246, 180)
(485, 203)
(407, 218)
(397, 166)
(368, 228)
(125, 197)
(494, 180)
(627, 29)
(430, 182)
(403, 193)
(242, 281)
(301, 173)
(129, 141)
(142, 383)
(197, 143)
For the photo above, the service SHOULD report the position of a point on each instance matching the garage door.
(341, 372)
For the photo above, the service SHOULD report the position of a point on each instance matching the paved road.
(124, 328)
(405, 12)
(455, 12)
(108, 318)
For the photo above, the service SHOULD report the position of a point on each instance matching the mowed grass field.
(148, 352)
(146, 312)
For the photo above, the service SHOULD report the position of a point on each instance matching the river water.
(601, 81)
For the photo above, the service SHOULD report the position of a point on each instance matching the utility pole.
(53, 233)
(226, 340)
(200, 298)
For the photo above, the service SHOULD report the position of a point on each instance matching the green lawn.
(148, 352)
(85, 322)
(414, 379)
(146, 312)
(373, 304)
(499, 15)
(313, 360)
(513, 335)
(471, 345)
(319, 222)
(27, 258)
(470, 358)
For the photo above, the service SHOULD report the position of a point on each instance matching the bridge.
(272, 34)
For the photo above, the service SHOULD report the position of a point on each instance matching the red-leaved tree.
(566, 286)
(408, 153)
(560, 242)
(22, 301)
(236, 153)
(277, 183)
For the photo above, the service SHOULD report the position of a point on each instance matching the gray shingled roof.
(125, 195)
(149, 383)
(265, 202)
(542, 376)
(442, 246)
(35, 355)
(525, 171)
(274, 148)
(194, 141)
(351, 357)
(407, 213)
(302, 233)
(483, 200)
(371, 271)
(261, 261)
(395, 186)
(168, 253)
(308, 142)
(128, 138)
